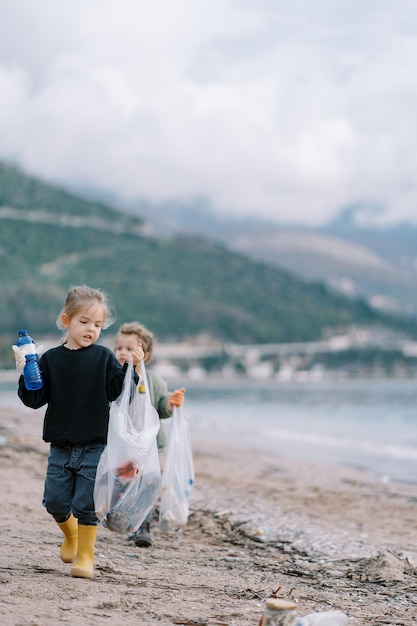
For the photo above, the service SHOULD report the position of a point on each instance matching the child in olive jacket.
(131, 337)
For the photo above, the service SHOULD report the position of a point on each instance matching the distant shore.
(11, 376)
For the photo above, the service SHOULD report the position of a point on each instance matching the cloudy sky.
(290, 109)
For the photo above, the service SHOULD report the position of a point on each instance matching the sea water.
(371, 425)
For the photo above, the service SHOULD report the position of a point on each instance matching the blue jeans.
(69, 483)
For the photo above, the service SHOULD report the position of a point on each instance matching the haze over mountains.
(375, 263)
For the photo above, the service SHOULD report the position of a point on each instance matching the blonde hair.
(134, 328)
(80, 297)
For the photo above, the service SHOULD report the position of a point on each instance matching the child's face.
(125, 345)
(84, 327)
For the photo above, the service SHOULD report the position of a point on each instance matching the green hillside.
(179, 287)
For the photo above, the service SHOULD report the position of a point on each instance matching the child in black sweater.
(81, 379)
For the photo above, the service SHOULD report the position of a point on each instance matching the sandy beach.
(328, 538)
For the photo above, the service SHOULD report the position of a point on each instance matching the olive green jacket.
(158, 391)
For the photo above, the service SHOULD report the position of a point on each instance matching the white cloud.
(283, 108)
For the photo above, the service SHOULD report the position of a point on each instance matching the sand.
(328, 538)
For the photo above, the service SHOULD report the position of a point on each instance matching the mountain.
(373, 263)
(179, 286)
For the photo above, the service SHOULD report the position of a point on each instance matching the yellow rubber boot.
(83, 567)
(69, 546)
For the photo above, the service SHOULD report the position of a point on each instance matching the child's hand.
(19, 358)
(138, 355)
(177, 398)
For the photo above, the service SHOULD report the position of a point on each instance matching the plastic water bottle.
(31, 372)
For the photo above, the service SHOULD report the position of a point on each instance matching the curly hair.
(135, 328)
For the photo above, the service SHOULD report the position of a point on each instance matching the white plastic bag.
(177, 475)
(128, 477)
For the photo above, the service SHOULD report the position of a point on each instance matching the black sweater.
(78, 388)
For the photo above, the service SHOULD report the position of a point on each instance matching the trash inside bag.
(132, 502)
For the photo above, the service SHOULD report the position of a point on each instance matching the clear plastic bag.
(128, 478)
(177, 475)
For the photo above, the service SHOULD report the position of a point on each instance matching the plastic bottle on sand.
(31, 372)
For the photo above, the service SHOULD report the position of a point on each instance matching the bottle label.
(28, 348)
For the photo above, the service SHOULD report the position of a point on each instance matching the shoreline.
(326, 537)
(11, 376)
